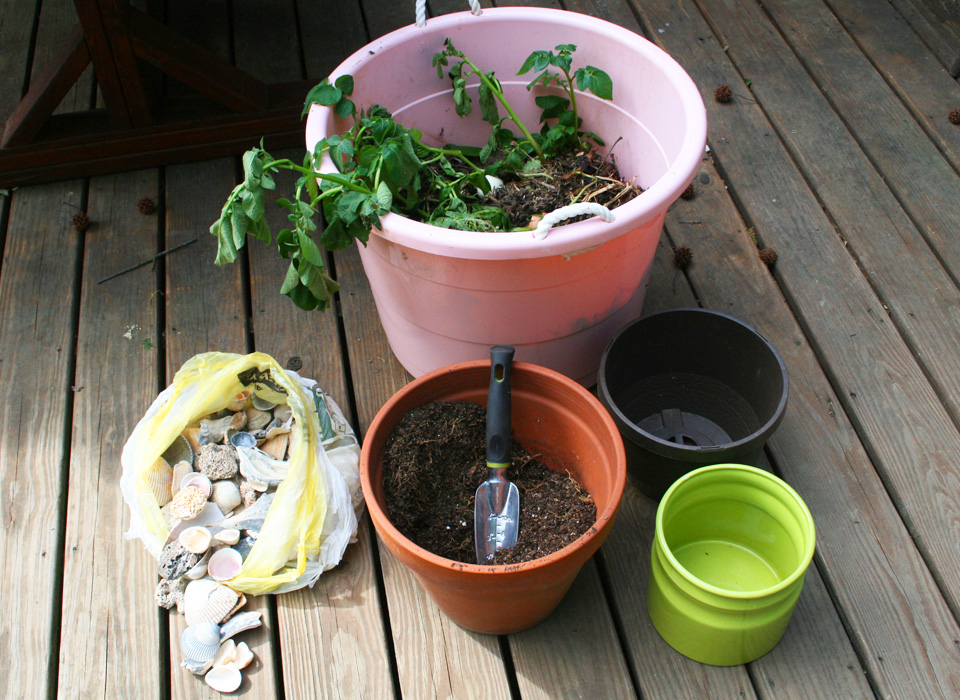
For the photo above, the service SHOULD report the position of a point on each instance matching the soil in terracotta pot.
(433, 463)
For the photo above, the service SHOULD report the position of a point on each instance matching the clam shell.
(188, 503)
(192, 435)
(240, 402)
(179, 451)
(257, 420)
(224, 679)
(224, 564)
(200, 642)
(262, 404)
(180, 470)
(242, 438)
(226, 494)
(200, 570)
(159, 479)
(196, 539)
(276, 446)
(258, 466)
(228, 536)
(214, 430)
(283, 412)
(241, 622)
(243, 655)
(199, 480)
(226, 654)
(206, 600)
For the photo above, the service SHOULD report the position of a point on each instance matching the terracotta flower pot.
(446, 296)
(553, 416)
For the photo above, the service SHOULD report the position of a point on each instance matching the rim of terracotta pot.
(577, 236)
(381, 519)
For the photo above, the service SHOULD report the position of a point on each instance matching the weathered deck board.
(938, 25)
(870, 564)
(873, 369)
(107, 610)
(36, 369)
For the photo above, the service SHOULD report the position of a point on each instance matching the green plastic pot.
(731, 548)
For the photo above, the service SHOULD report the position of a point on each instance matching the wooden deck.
(836, 151)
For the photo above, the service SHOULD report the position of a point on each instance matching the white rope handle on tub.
(568, 212)
(422, 11)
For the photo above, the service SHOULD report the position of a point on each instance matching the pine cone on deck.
(954, 116)
(723, 94)
(688, 193)
(146, 206)
(682, 257)
(81, 221)
(769, 256)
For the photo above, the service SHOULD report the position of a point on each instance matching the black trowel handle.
(498, 407)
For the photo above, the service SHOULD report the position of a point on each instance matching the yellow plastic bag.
(312, 516)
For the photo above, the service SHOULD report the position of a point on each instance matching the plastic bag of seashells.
(246, 468)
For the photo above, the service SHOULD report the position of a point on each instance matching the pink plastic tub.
(446, 296)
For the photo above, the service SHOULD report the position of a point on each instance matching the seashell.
(250, 519)
(180, 470)
(210, 515)
(176, 560)
(192, 435)
(240, 402)
(170, 592)
(277, 427)
(197, 667)
(241, 601)
(201, 481)
(262, 404)
(200, 642)
(245, 545)
(226, 654)
(242, 438)
(224, 679)
(214, 430)
(188, 503)
(244, 655)
(276, 446)
(258, 466)
(159, 477)
(200, 570)
(206, 600)
(257, 420)
(196, 539)
(226, 494)
(217, 462)
(169, 518)
(283, 412)
(228, 536)
(179, 451)
(224, 564)
(240, 622)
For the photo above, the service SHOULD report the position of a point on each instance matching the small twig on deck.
(147, 262)
(692, 223)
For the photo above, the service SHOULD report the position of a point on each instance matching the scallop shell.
(224, 679)
(159, 478)
(226, 494)
(262, 404)
(200, 642)
(196, 539)
(276, 446)
(179, 451)
(206, 600)
(228, 536)
(180, 470)
(257, 420)
(224, 564)
(226, 654)
(199, 480)
(240, 622)
(258, 466)
(240, 402)
(188, 503)
(243, 655)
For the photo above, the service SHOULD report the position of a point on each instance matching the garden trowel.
(497, 507)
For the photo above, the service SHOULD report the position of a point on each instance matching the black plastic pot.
(688, 388)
